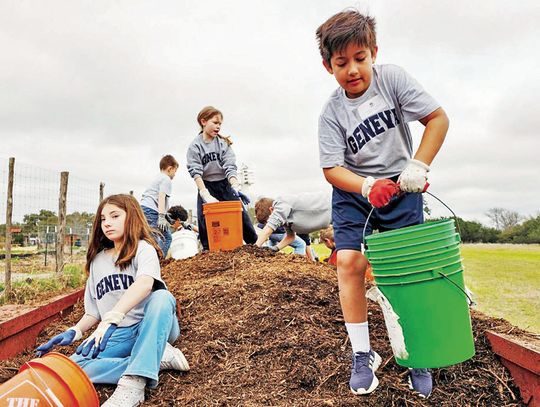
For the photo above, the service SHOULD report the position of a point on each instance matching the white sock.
(359, 336)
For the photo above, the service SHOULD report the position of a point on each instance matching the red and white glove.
(414, 177)
(379, 191)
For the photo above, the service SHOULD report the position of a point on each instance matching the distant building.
(247, 179)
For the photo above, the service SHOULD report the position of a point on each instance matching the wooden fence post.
(9, 214)
(60, 237)
(101, 189)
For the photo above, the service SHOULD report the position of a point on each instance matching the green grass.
(39, 289)
(505, 280)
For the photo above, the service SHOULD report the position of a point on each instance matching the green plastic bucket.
(381, 259)
(414, 246)
(423, 282)
(416, 231)
(417, 274)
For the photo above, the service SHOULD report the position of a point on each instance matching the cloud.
(104, 89)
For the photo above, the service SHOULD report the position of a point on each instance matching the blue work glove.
(97, 342)
(65, 338)
(244, 198)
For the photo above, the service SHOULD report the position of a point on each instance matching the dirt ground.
(265, 329)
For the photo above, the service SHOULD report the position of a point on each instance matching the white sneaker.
(173, 359)
(129, 392)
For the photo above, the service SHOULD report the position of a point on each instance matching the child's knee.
(160, 299)
(351, 264)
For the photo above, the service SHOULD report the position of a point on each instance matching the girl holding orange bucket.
(127, 298)
(212, 165)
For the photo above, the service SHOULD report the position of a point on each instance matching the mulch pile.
(265, 329)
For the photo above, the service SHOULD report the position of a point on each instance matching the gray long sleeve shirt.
(212, 161)
(302, 213)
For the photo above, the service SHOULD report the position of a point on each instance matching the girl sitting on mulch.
(127, 297)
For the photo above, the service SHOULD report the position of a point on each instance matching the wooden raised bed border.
(522, 359)
(20, 333)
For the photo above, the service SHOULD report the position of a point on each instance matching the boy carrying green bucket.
(365, 148)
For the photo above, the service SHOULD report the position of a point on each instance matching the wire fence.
(39, 237)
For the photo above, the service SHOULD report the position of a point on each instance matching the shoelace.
(361, 359)
(421, 372)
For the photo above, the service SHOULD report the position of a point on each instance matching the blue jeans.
(297, 244)
(163, 239)
(136, 349)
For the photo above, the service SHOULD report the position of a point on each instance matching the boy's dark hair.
(262, 209)
(167, 161)
(344, 28)
(178, 212)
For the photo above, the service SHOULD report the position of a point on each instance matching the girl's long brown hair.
(135, 228)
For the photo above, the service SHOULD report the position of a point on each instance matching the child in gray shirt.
(212, 165)
(301, 213)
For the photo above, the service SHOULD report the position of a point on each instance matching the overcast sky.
(103, 89)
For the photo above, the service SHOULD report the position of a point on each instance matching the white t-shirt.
(162, 183)
(107, 283)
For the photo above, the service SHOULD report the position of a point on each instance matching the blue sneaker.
(364, 365)
(421, 381)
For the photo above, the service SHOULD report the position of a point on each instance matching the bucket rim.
(425, 270)
(409, 229)
(420, 264)
(418, 254)
(397, 239)
(222, 207)
(91, 390)
(453, 236)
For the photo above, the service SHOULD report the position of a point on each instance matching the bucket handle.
(460, 289)
(48, 391)
(426, 192)
(447, 207)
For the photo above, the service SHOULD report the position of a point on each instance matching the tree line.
(508, 227)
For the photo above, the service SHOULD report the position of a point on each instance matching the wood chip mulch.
(265, 329)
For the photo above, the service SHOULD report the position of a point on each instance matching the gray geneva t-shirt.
(213, 161)
(369, 135)
(162, 183)
(302, 213)
(107, 283)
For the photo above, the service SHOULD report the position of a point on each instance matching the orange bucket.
(223, 224)
(53, 380)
